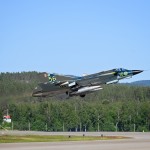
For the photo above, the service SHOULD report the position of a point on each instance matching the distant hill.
(141, 83)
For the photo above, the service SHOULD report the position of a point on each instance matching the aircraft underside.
(80, 86)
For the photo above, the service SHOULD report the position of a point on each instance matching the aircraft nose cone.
(136, 71)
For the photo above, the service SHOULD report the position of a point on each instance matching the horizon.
(125, 80)
(78, 37)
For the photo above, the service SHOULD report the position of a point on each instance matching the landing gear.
(82, 95)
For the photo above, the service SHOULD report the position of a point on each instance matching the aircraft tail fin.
(53, 77)
(48, 77)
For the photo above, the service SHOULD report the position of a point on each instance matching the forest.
(119, 107)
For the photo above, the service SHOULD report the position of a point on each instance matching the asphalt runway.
(137, 141)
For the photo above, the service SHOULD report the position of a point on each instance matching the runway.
(137, 141)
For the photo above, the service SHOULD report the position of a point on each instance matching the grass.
(39, 138)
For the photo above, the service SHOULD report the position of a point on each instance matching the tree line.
(115, 108)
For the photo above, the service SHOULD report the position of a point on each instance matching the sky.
(75, 37)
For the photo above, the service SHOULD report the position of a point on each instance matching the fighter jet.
(68, 85)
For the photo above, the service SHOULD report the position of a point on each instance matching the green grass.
(38, 138)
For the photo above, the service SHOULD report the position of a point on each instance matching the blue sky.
(75, 37)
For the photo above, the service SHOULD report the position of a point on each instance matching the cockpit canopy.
(121, 70)
(124, 72)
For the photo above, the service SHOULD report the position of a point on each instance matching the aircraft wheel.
(82, 95)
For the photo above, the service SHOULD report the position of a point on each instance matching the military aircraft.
(68, 85)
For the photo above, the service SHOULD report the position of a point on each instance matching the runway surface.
(137, 141)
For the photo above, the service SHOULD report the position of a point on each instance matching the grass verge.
(39, 138)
